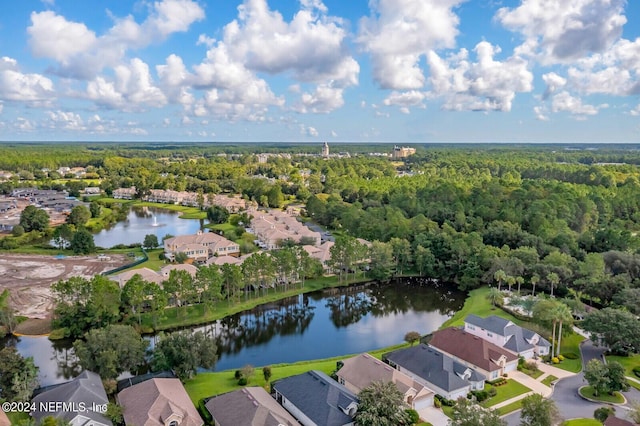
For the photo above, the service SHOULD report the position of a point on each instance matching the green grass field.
(505, 392)
(547, 380)
(509, 408)
(209, 384)
(582, 422)
(587, 392)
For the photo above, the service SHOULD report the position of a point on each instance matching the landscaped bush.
(498, 382)
(444, 401)
(555, 360)
(242, 381)
(570, 355)
(602, 413)
(413, 414)
(561, 358)
(481, 395)
(493, 392)
(636, 371)
(437, 403)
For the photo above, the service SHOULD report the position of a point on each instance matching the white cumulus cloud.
(561, 31)
(399, 32)
(484, 85)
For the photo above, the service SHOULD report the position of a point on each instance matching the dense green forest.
(551, 216)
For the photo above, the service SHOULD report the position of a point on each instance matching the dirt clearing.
(29, 277)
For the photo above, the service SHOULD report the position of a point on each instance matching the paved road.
(565, 393)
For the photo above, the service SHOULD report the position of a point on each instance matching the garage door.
(423, 403)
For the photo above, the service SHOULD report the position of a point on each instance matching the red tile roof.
(470, 348)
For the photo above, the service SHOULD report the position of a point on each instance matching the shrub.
(498, 382)
(602, 413)
(237, 375)
(493, 392)
(242, 381)
(481, 395)
(636, 371)
(560, 357)
(437, 403)
(570, 355)
(413, 415)
(555, 360)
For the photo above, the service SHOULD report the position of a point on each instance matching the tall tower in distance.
(325, 149)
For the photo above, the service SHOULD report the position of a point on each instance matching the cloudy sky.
(321, 70)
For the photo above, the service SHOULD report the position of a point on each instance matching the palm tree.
(563, 315)
(500, 276)
(519, 280)
(494, 296)
(535, 279)
(553, 279)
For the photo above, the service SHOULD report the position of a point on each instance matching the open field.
(29, 277)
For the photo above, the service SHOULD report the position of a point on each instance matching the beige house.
(201, 246)
(158, 402)
(275, 226)
(145, 273)
(360, 371)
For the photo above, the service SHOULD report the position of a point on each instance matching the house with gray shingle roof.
(360, 371)
(506, 334)
(436, 370)
(315, 399)
(81, 401)
(483, 356)
(250, 406)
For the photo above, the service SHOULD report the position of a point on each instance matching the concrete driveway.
(433, 415)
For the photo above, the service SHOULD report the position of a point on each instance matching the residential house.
(200, 246)
(436, 370)
(275, 226)
(486, 358)
(124, 193)
(158, 402)
(165, 271)
(82, 401)
(360, 371)
(315, 399)
(506, 334)
(251, 406)
(617, 421)
(233, 204)
(145, 273)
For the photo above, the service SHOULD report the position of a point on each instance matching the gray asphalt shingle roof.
(318, 396)
(434, 367)
(85, 390)
(503, 327)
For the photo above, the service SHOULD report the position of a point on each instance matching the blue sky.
(313, 70)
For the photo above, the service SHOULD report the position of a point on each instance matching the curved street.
(565, 392)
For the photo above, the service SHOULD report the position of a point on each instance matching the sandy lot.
(29, 278)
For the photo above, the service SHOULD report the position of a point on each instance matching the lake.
(320, 324)
(142, 221)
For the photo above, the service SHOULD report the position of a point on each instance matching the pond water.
(142, 221)
(321, 324)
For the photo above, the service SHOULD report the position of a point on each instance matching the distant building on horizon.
(325, 149)
(402, 152)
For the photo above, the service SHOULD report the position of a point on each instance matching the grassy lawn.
(582, 422)
(534, 374)
(547, 380)
(153, 262)
(509, 408)
(628, 362)
(187, 212)
(505, 392)
(587, 392)
(478, 304)
(224, 227)
(571, 343)
(209, 384)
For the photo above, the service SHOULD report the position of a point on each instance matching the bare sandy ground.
(29, 278)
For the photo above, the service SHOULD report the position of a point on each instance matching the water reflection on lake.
(146, 220)
(321, 324)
